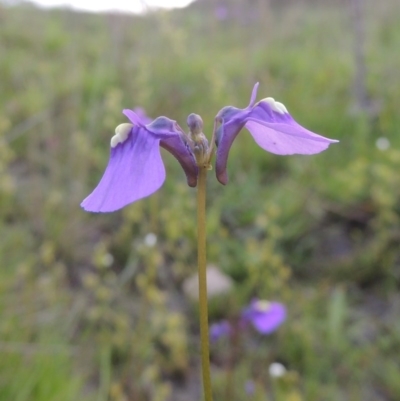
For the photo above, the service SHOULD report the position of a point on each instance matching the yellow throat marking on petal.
(121, 134)
(262, 306)
(276, 106)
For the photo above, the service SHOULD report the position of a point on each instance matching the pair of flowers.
(264, 316)
(136, 170)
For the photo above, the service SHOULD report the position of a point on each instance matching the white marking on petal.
(123, 130)
(281, 107)
(262, 306)
(275, 106)
(269, 100)
(114, 141)
(121, 134)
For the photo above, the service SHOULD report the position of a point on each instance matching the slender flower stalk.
(202, 261)
(203, 154)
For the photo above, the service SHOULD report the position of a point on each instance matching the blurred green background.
(91, 309)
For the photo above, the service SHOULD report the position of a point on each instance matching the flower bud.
(200, 142)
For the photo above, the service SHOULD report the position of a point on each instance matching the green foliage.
(91, 309)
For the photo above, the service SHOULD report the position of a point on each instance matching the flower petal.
(253, 95)
(225, 136)
(141, 114)
(133, 117)
(135, 170)
(177, 145)
(175, 141)
(284, 139)
(232, 121)
(274, 130)
(179, 148)
(265, 316)
(220, 329)
(267, 322)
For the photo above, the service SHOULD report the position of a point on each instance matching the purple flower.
(265, 316)
(250, 387)
(221, 13)
(271, 126)
(135, 169)
(220, 329)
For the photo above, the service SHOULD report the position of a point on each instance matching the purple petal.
(220, 329)
(226, 135)
(133, 117)
(179, 148)
(232, 121)
(253, 95)
(135, 170)
(175, 141)
(265, 316)
(284, 139)
(161, 126)
(277, 132)
(221, 13)
(250, 387)
(141, 113)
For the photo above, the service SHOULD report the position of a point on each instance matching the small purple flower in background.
(271, 126)
(220, 329)
(135, 169)
(250, 387)
(221, 13)
(264, 316)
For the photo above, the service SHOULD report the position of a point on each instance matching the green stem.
(202, 259)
